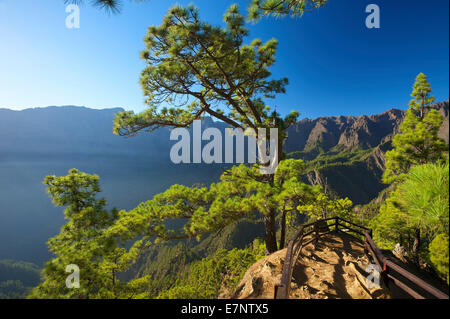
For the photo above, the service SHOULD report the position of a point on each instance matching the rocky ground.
(334, 268)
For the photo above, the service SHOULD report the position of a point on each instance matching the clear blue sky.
(336, 66)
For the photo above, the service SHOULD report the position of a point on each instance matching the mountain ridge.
(44, 141)
(346, 153)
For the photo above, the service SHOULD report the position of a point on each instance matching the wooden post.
(384, 276)
(336, 227)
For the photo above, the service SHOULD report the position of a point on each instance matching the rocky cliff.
(351, 132)
(346, 153)
(334, 268)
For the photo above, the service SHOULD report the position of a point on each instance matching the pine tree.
(84, 242)
(257, 8)
(241, 193)
(424, 195)
(422, 101)
(204, 70)
(417, 141)
(260, 8)
(439, 254)
(417, 209)
(390, 226)
(281, 196)
(322, 207)
(113, 6)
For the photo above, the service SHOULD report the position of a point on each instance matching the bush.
(209, 276)
(439, 255)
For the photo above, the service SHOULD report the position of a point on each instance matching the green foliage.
(352, 173)
(419, 202)
(421, 100)
(439, 251)
(418, 141)
(13, 289)
(322, 207)
(390, 225)
(337, 157)
(166, 264)
(201, 70)
(223, 271)
(202, 209)
(292, 194)
(417, 211)
(181, 292)
(260, 8)
(17, 278)
(84, 241)
(26, 272)
(113, 6)
(424, 195)
(204, 70)
(365, 213)
(257, 8)
(241, 192)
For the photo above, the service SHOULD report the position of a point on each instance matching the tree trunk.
(283, 230)
(269, 218)
(271, 239)
(416, 244)
(422, 108)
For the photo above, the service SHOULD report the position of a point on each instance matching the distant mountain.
(44, 141)
(351, 132)
(346, 153)
(57, 131)
(348, 132)
(17, 278)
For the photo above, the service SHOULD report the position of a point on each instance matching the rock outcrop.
(334, 268)
(352, 150)
(350, 132)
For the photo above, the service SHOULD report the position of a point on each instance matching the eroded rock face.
(334, 268)
(359, 178)
(352, 132)
(260, 279)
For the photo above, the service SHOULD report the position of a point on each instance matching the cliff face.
(347, 153)
(350, 132)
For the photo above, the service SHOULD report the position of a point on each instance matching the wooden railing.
(390, 273)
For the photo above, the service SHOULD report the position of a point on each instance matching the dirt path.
(334, 268)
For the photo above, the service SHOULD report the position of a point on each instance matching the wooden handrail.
(293, 250)
(386, 266)
(414, 279)
(351, 223)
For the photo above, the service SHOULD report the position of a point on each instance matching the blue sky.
(335, 65)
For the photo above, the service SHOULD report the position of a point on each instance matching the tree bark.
(422, 107)
(283, 230)
(416, 244)
(269, 218)
(271, 239)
